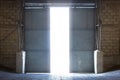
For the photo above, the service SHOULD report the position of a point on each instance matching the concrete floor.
(113, 75)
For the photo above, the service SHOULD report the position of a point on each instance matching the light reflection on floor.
(113, 75)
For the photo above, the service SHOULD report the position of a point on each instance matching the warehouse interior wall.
(110, 31)
(10, 19)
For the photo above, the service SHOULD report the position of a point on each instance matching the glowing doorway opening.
(59, 40)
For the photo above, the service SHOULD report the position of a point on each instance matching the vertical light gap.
(59, 40)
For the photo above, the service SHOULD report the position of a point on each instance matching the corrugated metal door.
(82, 41)
(37, 40)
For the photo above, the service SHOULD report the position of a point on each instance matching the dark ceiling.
(60, 1)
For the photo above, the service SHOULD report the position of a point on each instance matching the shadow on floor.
(6, 69)
(113, 68)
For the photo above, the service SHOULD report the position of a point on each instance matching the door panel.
(82, 61)
(37, 40)
(37, 61)
(82, 39)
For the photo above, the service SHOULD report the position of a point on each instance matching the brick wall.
(9, 29)
(110, 16)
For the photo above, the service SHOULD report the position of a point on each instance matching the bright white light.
(59, 40)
